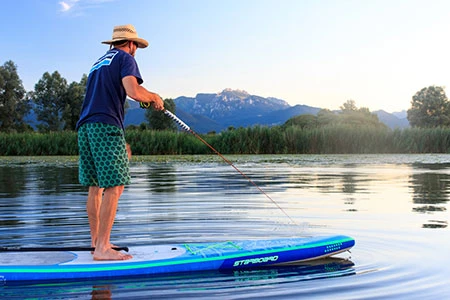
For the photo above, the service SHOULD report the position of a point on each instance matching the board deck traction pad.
(159, 259)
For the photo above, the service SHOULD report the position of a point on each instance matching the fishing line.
(188, 129)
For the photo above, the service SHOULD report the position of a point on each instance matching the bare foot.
(111, 254)
(110, 245)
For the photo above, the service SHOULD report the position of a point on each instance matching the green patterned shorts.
(103, 156)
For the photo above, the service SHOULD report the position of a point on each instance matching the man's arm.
(141, 94)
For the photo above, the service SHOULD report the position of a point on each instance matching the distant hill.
(401, 114)
(392, 120)
(236, 108)
(230, 107)
(134, 115)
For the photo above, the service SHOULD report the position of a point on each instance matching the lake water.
(395, 206)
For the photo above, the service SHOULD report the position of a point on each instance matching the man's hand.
(158, 103)
(128, 151)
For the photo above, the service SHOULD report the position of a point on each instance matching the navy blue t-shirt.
(105, 95)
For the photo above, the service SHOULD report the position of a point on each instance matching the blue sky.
(321, 53)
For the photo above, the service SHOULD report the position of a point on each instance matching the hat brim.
(141, 42)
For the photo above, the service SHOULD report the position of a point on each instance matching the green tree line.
(55, 102)
(351, 130)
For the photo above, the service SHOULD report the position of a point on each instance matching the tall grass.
(338, 139)
(31, 143)
(149, 142)
(422, 140)
(251, 140)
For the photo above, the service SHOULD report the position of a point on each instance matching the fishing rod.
(188, 129)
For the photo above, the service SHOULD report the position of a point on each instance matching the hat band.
(124, 29)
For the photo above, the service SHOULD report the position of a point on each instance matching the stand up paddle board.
(16, 265)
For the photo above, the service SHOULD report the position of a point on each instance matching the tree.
(353, 115)
(302, 121)
(429, 108)
(14, 105)
(350, 115)
(158, 120)
(349, 106)
(49, 97)
(73, 99)
(326, 117)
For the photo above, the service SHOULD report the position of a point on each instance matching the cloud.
(67, 5)
(79, 7)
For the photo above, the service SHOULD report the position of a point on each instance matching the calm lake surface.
(395, 206)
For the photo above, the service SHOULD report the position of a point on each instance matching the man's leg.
(93, 211)
(108, 209)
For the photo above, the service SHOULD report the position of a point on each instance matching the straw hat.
(126, 33)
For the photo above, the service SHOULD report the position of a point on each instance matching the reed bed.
(337, 139)
(32, 143)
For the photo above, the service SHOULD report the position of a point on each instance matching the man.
(104, 154)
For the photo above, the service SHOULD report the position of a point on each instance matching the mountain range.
(236, 108)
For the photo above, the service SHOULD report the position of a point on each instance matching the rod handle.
(177, 120)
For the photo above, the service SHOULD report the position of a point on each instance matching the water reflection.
(428, 183)
(192, 285)
(12, 181)
(431, 195)
(161, 178)
(20, 180)
(430, 189)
